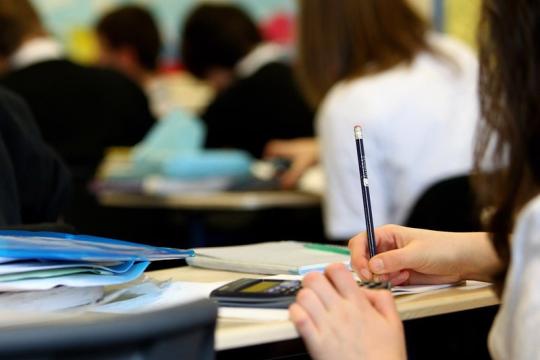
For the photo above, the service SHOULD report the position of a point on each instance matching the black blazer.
(82, 110)
(34, 184)
(264, 106)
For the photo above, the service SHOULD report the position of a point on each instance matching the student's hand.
(339, 320)
(302, 152)
(415, 256)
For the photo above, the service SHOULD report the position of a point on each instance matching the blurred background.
(72, 21)
(144, 141)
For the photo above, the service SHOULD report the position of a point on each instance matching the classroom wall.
(72, 20)
(461, 19)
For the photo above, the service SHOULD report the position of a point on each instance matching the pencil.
(364, 184)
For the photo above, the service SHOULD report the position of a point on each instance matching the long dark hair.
(509, 135)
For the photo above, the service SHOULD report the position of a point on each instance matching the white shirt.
(36, 50)
(516, 331)
(261, 55)
(418, 121)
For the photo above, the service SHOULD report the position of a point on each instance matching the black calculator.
(267, 293)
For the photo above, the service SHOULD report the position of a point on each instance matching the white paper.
(24, 266)
(186, 292)
(253, 314)
(417, 289)
(56, 299)
(75, 280)
(473, 284)
(150, 296)
(396, 290)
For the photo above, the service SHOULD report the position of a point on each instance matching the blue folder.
(68, 247)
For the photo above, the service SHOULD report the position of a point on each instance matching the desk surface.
(240, 333)
(119, 157)
(251, 200)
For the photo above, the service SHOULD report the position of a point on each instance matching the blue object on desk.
(58, 246)
(174, 148)
(177, 132)
(210, 163)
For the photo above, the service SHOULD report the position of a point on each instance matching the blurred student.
(130, 42)
(257, 98)
(509, 254)
(80, 110)
(34, 183)
(377, 64)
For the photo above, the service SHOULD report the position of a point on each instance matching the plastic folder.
(57, 246)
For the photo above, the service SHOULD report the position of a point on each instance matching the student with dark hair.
(130, 42)
(34, 183)
(257, 97)
(79, 110)
(338, 320)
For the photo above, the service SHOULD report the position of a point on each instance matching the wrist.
(479, 260)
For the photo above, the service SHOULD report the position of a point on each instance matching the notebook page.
(289, 255)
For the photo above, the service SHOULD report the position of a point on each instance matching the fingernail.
(365, 273)
(377, 265)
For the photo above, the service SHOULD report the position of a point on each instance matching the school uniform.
(418, 121)
(80, 110)
(264, 103)
(34, 185)
(514, 334)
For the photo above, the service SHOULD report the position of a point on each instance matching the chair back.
(448, 205)
(182, 332)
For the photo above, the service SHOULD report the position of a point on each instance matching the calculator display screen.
(260, 287)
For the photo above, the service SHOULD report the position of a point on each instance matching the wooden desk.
(119, 158)
(255, 200)
(232, 334)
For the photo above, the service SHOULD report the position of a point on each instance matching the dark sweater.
(82, 110)
(34, 183)
(264, 106)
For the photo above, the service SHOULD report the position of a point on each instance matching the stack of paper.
(279, 257)
(45, 260)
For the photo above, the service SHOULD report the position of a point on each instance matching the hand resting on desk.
(339, 320)
(303, 154)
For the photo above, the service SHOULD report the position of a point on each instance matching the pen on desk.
(328, 248)
(364, 183)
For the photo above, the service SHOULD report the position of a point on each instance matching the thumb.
(393, 261)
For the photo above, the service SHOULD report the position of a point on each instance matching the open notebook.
(278, 257)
